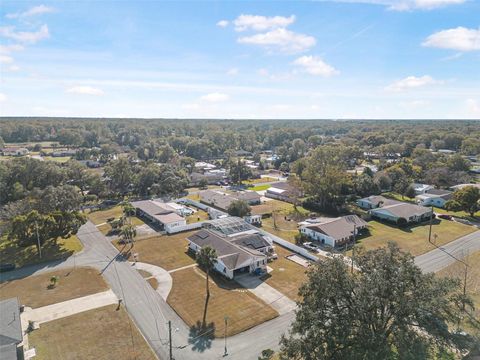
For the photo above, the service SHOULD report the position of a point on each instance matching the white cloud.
(25, 36)
(7, 49)
(473, 107)
(233, 71)
(405, 5)
(411, 82)
(262, 23)
(223, 23)
(85, 90)
(215, 97)
(13, 68)
(281, 39)
(36, 10)
(315, 66)
(3, 97)
(460, 38)
(5, 59)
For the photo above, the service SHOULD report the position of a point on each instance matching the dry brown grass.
(200, 215)
(287, 276)
(457, 270)
(145, 274)
(34, 291)
(227, 298)
(101, 216)
(167, 251)
(103, 333)
(153, 283)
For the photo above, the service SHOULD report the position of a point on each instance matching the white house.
(334, 232)
(422, 188)
(374, 201)
(434, 197)
(400, 210)
(159, 214)
(14, 151)
(236, 254)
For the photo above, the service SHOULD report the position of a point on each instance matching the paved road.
(436, 260)
(151, 313)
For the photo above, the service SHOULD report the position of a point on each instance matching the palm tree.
(206, 259)
(128, 209)
(127, 233)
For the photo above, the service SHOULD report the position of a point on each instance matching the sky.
(348, 59)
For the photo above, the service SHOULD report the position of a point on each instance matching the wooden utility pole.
(170, 339)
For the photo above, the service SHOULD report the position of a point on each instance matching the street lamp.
(225, 335)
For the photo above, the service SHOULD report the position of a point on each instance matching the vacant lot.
(227, 298)
(413, 239)
(166, 251)
(34, 291)
(21, 256)
(456, 270)
(101, 216)
(287, 276)
(102, 333)
(260, 187)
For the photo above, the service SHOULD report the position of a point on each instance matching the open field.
(227, 298)
(259, 181)
(59, 159)
(287, 276)
(456, 270)
(413, 239)
(34, 291)
(199, 215)
(278, 206)
(103, 333)
(166, 251)
(10, 252)
(101, 216)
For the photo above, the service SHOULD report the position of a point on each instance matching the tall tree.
(466, 199)
(206, 259)
(239, 208)
(120, 175)
(388, 309)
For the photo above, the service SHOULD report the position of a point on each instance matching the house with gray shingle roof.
(334, 232)
(236, 254)
(11, 336)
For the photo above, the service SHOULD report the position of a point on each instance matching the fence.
(288, 245)
(187, 227)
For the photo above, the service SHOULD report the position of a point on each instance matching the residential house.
(374, 201)
(335, 232)
(461, 186)
(204, 166)
(434, 197)
(236, 254)
(284, 191)
(253, 219)
(422, 188)
(393, 212)
(210, 177)
(11, 337)
(222, 200)
(14, 151)
(159, 214)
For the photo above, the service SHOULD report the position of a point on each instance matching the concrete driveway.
(268, 294)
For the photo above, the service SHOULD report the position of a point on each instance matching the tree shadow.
(201, 337)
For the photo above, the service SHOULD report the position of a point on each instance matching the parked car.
(309, 246)
(445, 216)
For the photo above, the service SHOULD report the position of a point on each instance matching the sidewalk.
(66, 308)
(161, 275)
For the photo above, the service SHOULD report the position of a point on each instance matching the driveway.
(282, 304)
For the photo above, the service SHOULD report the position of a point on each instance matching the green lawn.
(413, 239)
(101, 216)
(260, 187)
(10, 252)
(200, 215)
(59, 159)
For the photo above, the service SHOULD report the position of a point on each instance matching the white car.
(309, 246)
